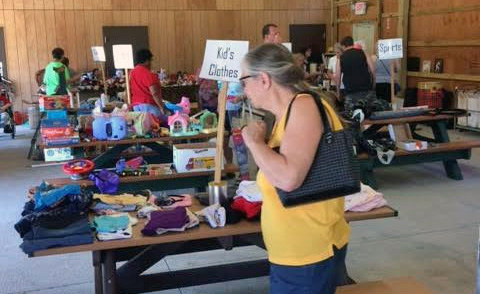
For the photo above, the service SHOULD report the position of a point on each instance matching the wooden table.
(161, 146)
(440, 149)
(142, 252)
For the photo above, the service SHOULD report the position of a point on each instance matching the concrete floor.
(434, 239)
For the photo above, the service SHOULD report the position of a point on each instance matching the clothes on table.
(250, 209)
(165, 219)
(214, 215)
(122, 199)
(43, 230)
(146, 210)
(114, 227)
(71, 206)
(165, 201)
(45, 197)
(249, 190)
(30, 246)
(100, 206)
(193, 221)
(365, 200)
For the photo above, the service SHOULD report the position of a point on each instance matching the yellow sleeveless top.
(303, 234)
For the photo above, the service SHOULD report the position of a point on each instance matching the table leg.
(109, 272)
(97, 267)
(440, 134)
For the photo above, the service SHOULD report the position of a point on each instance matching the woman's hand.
(254, 133)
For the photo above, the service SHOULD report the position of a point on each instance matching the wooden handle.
(392, 80)
(222, 96)
(102, 68)
(127, 82)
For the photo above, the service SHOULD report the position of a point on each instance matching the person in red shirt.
(4, 106)
(145, 86)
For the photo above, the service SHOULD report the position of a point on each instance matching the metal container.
(217, 193)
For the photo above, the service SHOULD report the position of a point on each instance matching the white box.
(194, 157)
(58, 154)
(412, 145)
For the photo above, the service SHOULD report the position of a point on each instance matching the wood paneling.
(177, 29)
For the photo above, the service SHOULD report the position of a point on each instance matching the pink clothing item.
(365, 200)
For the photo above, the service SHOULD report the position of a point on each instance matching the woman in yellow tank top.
(306, 244)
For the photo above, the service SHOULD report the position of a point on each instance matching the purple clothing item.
(165, 219)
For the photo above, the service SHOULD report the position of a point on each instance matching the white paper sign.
(123, 56)
(390, 49)
(98, 54)
(222, 60)
(288, 45)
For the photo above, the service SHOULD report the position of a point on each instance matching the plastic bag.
(106, 181)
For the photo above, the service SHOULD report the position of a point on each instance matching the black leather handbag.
(334, 172)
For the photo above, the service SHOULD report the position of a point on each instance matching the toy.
(159, 169)
(206, 122)
(78, 169)
(179, 122)
(114, 128)
(132, 167)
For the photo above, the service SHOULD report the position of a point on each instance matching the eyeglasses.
(242, 80)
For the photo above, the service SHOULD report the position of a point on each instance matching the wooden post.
(220, 132)
(102, 68)
(127, 88)
(392, 79)
(404, 16)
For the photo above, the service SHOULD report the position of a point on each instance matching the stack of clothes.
(114, 227)
(365, 200)
(55, 217)
(248, 199)
(105, 203)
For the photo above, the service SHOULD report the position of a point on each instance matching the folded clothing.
(249, 209)
(192, 222)
(122, 199)
(100, 206)
(45, 197)
(249, 190)
(111, 223)
(165, 219)
(30, 246)
(146, 210)
(214, 215)
(119, 233)
(171, 201)
(43, 230)
(365, 200)
(71, 206)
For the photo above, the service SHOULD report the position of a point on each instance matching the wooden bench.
(161, 182)
(440, 149)
(404, 285)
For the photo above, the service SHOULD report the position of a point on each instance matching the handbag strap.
(327, 129)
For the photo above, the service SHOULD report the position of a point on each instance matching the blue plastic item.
(99, 128)
(173, 107)
(117, 128)
(57, 114)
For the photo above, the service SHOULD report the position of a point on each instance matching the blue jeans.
(318, 278)
(150, 109)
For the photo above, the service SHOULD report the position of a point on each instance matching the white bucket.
(33, 117)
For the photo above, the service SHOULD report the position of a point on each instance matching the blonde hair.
(276, 61)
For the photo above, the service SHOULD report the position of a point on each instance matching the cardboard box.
(412, 145)
(53, 102)
(75, 139)
(194, 157)
(60, 132)
(58, 154)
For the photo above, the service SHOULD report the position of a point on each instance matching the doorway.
(309, 36)
(136, 36)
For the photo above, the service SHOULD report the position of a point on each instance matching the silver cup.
(217, 193)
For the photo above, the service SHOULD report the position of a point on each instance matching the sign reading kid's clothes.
(390, 49)
(222, 60)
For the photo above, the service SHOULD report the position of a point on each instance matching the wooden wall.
(444, 29)
(177, 29)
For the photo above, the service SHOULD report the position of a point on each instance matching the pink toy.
(178, 123)
(185, 105)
